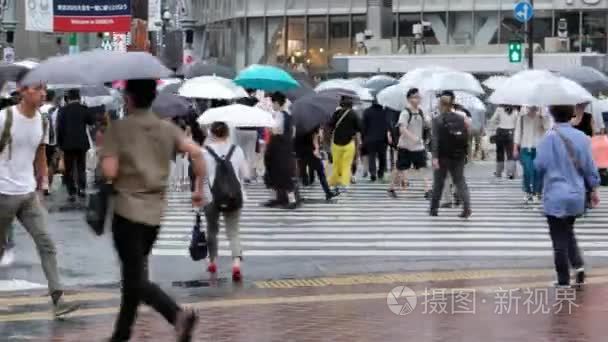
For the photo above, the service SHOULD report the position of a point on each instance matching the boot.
(500, 167)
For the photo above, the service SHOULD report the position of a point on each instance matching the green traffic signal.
(515, 52)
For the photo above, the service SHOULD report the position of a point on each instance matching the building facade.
(310, 32)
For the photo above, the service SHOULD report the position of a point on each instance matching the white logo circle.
(401, 300)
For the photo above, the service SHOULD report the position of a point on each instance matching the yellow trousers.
(342, 161)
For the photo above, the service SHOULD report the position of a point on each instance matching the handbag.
(198, 243)
(97, 206)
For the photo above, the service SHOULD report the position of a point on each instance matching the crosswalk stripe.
(366, 222)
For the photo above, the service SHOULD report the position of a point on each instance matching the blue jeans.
(531, 181)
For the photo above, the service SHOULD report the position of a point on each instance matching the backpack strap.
(6, 139)
(230, 152)
(213, 154)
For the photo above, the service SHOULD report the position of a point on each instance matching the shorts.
(407, 159)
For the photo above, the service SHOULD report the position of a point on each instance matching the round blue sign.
(523, 11)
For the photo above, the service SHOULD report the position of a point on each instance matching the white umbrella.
(393, 97)
(414, 77)
(363, 93)
(237, 115)
(211, 87)
(494, 82)
(540, 88)
(452, 80)
(470, 102)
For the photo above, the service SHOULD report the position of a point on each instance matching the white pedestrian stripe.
(366, 222)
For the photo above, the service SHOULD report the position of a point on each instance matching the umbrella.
(360, 81)
(545, 89)
(202, 68)
(416, 76)
(314, 110)
(380, 82)
(452, 80)
(494, 82)
(306, 86)
(393, 97)
(94, 91)
(297, 93)
(470, 102)
(212, 87)
(591, 79)
(171, 106)
(97, 67)
(267, 78)
(237, 115)
(363, 94)
(172, 88)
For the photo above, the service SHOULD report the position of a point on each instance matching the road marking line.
(38, 300)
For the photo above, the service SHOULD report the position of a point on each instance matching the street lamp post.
(166, 21)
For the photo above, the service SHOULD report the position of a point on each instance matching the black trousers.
(455, 167)
(305, 170)
(315, 165)
(133, 242)
(75, 171)
(504, 145)
(565, 247)
(377, 151)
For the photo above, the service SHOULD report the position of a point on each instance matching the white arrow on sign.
(523, 13)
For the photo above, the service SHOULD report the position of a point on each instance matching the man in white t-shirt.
(22, 171)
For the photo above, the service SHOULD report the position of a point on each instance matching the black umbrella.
(172, 88)
(589, 78)
(314, 110)
(168, 106)
(297, 93)
(201, 68)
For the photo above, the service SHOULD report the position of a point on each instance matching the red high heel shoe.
(236, 273)
(212, 268)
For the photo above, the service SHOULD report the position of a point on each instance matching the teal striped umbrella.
(267, 78)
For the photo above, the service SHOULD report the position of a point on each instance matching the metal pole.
(531, 40)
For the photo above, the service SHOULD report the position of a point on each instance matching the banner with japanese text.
(78, 15)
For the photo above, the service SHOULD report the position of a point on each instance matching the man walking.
(375, 136)
(136, 158)
(346, 128)
(22, 171)
(449, 149)
(73, 140)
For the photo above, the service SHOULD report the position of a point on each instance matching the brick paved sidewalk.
(498, 309)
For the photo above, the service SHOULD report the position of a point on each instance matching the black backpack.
(226, 188)
(454, 136)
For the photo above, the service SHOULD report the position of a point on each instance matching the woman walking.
(279, 160)
(566, 166)
(504, 123)
(220, 147)
(345, 126)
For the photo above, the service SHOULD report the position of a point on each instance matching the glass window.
(486, 28)
(359, 26)
(543, 25)
(437, 33)
(276, 44)
(240, 42)
(317, 42)
(460, 28)
(569, 20)
(296, 7)
(255, 41)
(510, 28)
(339, 40)
(594, 32)
(296, 34)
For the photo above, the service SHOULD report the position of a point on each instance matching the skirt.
(280, 164)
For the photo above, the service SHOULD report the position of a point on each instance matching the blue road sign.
(523, 11)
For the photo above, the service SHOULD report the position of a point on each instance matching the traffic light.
(515, 52)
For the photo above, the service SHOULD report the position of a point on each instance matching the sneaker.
(511, 177)
(8, 258)
(184, 325)
(392, 193)
(528, 198)
(538, 199)
(291, 206)
(466, 214)
(373, 179)
(433, 213)
(331, 195)
(559, 286)
(61, 308)
(272, 204)
(580, 277)
(428, 194)
(497, 175)
(353, 180)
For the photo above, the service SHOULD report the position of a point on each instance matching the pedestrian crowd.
(42, 135)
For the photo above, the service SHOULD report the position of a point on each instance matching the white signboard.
(39, 15)
(154, 14)
(9, 55)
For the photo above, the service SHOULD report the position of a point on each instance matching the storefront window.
(339, 40)
(255, 42)
(437, 33)
(317, 42)
(406, 25)
(543, 25)
(594, 32)
(359, 26)
(567, 26)
(275, 44)
(296, 49)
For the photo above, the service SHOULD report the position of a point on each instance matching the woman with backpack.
(226, 169)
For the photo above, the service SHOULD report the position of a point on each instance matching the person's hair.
(220, 130)
(141, 92)
(50, 95)
(412, 92)
(346, 102)
(20, 76)
(73, 95)
(448, 93)
(562, 114)
(278, 98)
